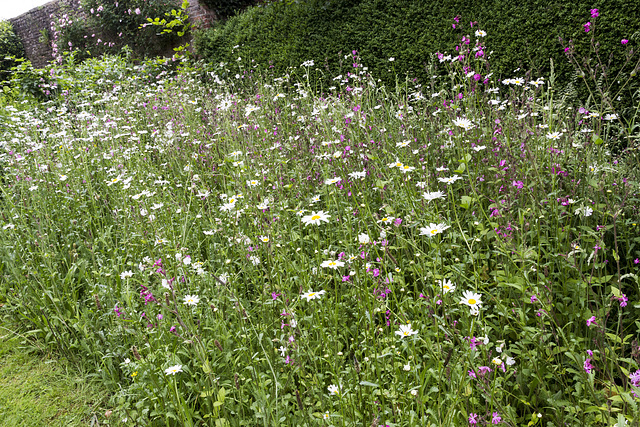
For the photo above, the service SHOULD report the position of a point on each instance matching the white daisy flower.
(433, 229)
(406, 331)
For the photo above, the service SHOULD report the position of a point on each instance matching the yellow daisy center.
(472, 301)
(315, 217)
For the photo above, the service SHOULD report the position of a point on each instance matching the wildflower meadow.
(225, 246)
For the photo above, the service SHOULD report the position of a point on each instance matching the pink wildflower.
(588, 367)
(497, 419)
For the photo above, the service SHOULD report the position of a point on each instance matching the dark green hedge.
(10, 45)
(226, 8)
(520, 34)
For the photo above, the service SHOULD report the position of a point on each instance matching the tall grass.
(231, 248)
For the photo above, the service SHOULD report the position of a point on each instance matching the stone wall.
(34, 26)
(199, 15)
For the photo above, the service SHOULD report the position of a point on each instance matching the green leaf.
(380, 184)
(461, 168)
(369, 384)
(466, 202)
(207, 393)
(614, 338)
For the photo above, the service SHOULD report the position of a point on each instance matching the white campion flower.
(364, 238)
(584, 211)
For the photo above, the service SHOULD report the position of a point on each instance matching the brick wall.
(30, 26)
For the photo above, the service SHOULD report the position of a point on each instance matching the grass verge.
(38, 389)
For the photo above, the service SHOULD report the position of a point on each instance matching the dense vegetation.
(227, 8)
(10, 47)
(521, 37)
(226, 245)
(90, 28)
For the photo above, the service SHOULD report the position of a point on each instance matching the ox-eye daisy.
(473, 300)
(172, 370)
(433, 229)
(464, 123)
(433, 195)
(406, 331)
(312, 295)
(332, 264)
(315, 218)
(446, 286)
(191, 299)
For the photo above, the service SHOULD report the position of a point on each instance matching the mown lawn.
(39, 389)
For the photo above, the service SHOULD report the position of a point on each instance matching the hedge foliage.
(522, 35)
(226, 8)
(10, 45)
